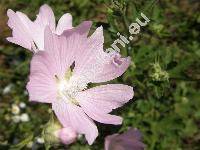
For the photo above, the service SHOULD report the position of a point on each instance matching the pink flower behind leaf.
(30, 35)
(129, 140)
(53, 81)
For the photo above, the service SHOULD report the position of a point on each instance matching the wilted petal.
(100, 100)
(72, 115)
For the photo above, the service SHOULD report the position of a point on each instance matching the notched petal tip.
(45, 6)
(10, 12)
(84, 27)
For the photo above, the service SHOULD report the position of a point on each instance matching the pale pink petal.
(42, 82)
(88, 58)
(82, 29)
(95, 64)
(26, 32)
(19, 41)
(64, 23)
(46, 65)
(18, 22)
(41, 88)
(46, 17)
(30, 34)
(26, 21)
(100, 100)
(115, 68)
(72, 115)
(57, 58)
(59, 52)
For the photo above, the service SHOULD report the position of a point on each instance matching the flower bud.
(157, 74)
(49, 133)
(54, 133)
(66, 135)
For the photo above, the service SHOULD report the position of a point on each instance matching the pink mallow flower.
(30, 34)
(60, 75)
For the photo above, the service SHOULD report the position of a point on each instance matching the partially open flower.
(130, 140)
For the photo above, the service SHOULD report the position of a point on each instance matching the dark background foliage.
(165, 72)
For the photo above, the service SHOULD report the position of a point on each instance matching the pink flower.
(129, 140)
(66, 135)
(52, 79)
(30, 35)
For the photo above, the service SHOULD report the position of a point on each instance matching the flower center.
(69, 86)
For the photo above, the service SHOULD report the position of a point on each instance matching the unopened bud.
(49, 133)
(157, 74)
(54, 133)
(66, 135)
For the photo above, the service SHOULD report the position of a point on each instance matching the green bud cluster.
(157, 74)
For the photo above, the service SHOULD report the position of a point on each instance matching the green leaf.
(22, 143)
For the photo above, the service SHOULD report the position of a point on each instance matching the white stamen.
(68, 89)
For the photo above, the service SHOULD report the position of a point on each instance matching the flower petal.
(100, 100)
(115, 68)
(64, 23)
(46, 17)
(82, 29)
(57, 58)
(41, 88)
(26, 33)
(19, 23)
(45, 65)
(60, 52)
(73, 116)
(95, 64)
